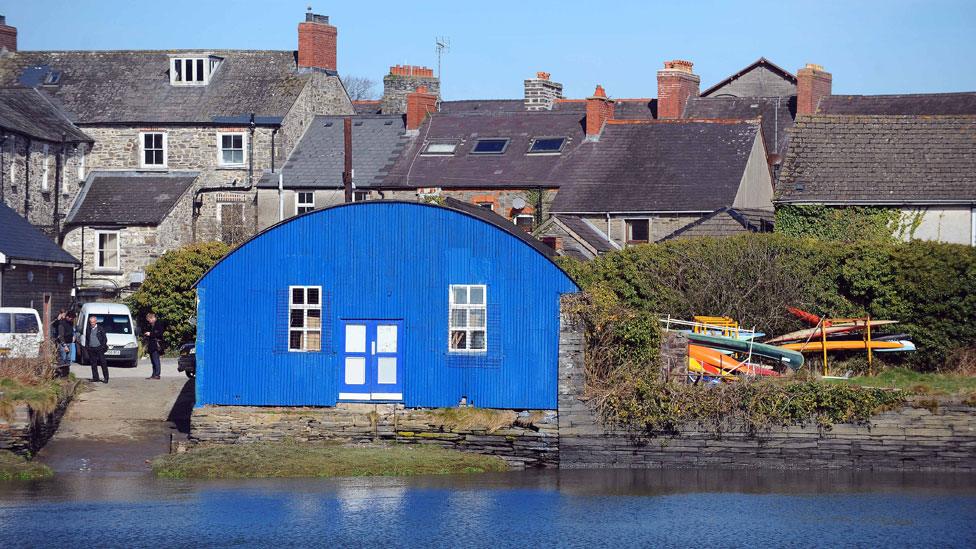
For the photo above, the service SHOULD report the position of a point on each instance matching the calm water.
(532, 509)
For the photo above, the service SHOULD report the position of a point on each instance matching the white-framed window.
(973, 222)
(360, 196)
(152, 147)
(526, 222)
(304, 319)
(304, 202)
(108, 251)
(468, 326)
(441, 147)
(192, 71)
(13, 159)
(231, 149)
(80, 149)
(45, 166)
(638, 230)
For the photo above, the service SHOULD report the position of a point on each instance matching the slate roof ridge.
(76, 134)
(192, 175)
(22, 240)
(649, 122)
(899, 95)
(761, 61)
(855, 117)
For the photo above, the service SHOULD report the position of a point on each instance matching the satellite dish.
(518, 203)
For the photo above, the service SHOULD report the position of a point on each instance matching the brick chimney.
(8, 35)
(675, 85)
(541, 93)
(812, 83)
(404, 80)
(599, 109)
(317, 43)
(419, 104)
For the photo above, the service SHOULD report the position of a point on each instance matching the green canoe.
(792, 359)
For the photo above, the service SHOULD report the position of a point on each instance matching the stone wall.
(941, 438)
(26, 431)
(661, 225)
(523, 439)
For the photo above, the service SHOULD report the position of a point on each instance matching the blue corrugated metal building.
(382, 301)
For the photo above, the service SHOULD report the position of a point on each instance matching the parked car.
(187, 363)
(123, 347)
(20, 332)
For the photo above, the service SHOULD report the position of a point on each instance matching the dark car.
(187, 363)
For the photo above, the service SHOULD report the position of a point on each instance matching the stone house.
(42, 158)
(914, 153)
(227, 115)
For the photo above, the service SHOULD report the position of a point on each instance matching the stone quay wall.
(27, 431)
(933, 437)
(522, 439)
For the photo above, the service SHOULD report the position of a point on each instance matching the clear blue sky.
(870, 46)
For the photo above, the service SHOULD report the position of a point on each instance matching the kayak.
(712, 357)
(809, 318)
(815, 333)
(905, 346)
(788, 357)
(843, 345)
(708, 370)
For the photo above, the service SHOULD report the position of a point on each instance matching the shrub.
(168, 288)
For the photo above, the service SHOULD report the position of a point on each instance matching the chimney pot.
(541, 93)
(812, 84)
(599, 109)
(317, 42)
(542, 75)
(676, 84)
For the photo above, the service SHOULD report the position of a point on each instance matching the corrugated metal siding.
(377, 260)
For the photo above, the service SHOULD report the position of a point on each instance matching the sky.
(870, 46)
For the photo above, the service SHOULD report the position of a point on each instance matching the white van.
(120, 330)
(20, 332)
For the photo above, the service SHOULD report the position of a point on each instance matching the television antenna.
(443, 44)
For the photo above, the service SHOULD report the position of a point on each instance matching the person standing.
(96, 343)
(64, 338)
(154, 342)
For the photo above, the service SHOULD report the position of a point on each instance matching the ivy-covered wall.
(848, 223)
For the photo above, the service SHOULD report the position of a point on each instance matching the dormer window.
(192, 71)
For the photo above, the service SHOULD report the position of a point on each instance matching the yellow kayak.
(856, 345)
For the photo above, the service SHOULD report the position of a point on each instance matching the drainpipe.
(347, 165)
(250, 168)
(198, 194)
(608, 228)
(3, 180)
(281, 197)
(82, 283)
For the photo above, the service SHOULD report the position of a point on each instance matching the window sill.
(236, 167)
(153, 169)
(107, 271)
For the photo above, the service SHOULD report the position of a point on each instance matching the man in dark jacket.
(154, 342)
(96, 343)
(64, 337)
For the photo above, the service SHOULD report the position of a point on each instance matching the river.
(524, 509)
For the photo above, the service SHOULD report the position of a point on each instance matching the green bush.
(168, 288)
(927, 286)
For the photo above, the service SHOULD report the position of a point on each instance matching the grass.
(294, 459)
(14, 467)
(920, 383)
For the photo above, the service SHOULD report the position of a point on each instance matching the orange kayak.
(710, 357)
(856, 345)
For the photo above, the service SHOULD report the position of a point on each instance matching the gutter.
(198, 201)
(634, 212)
(970, 202)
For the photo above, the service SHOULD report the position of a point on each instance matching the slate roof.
(318, 158)
(906, 104)
(367, 106)
(21, 240)
(658, 166)
(623, 109)
(129, 198)
(880, 160)
(777, 115)
(512, 169)
(596, 239)
(482, 105)
(27, 112)
(762, 61)
(726, 222)
(493, 218)
(133, 86)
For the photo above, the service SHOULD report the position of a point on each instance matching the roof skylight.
(440, 147)
(490, 146)
(547, 144)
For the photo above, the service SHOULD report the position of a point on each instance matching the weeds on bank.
(29, 381)
(296, 459)
(14, 467)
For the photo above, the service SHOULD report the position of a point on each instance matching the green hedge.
(927, 286)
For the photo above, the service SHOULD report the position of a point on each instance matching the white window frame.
(176, 78)
(13, 160)
(220, 149)
(81, 160)
(443, 144)
(627, 236)
(467, 328)
(299, 204)
(142, 151)
(524, 216)
(360, 196)
(45, 167)
(305, 307)
(98, 251)
(973, 220)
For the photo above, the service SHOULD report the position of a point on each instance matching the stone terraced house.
(154, 117)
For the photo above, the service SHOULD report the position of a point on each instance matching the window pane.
(313, 341)
(25, 323)
(4, 323)
(477, 339)
(179, 70)
(460, 294)
(386, 338)
(459, 339)
(227, 156)
(298, 296)
(477, 295)
(314, 319)
(552, 144)
(237, 157)
(225, 141)
(490, 146)
(440, 148)
(295, 340)
(637, 230)
(525, 222)
(313, 296)
(476, 318)
(157, 140)
(459, 318)
(237, 141)
(297, 318)
(199, 70)
(355, 338)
